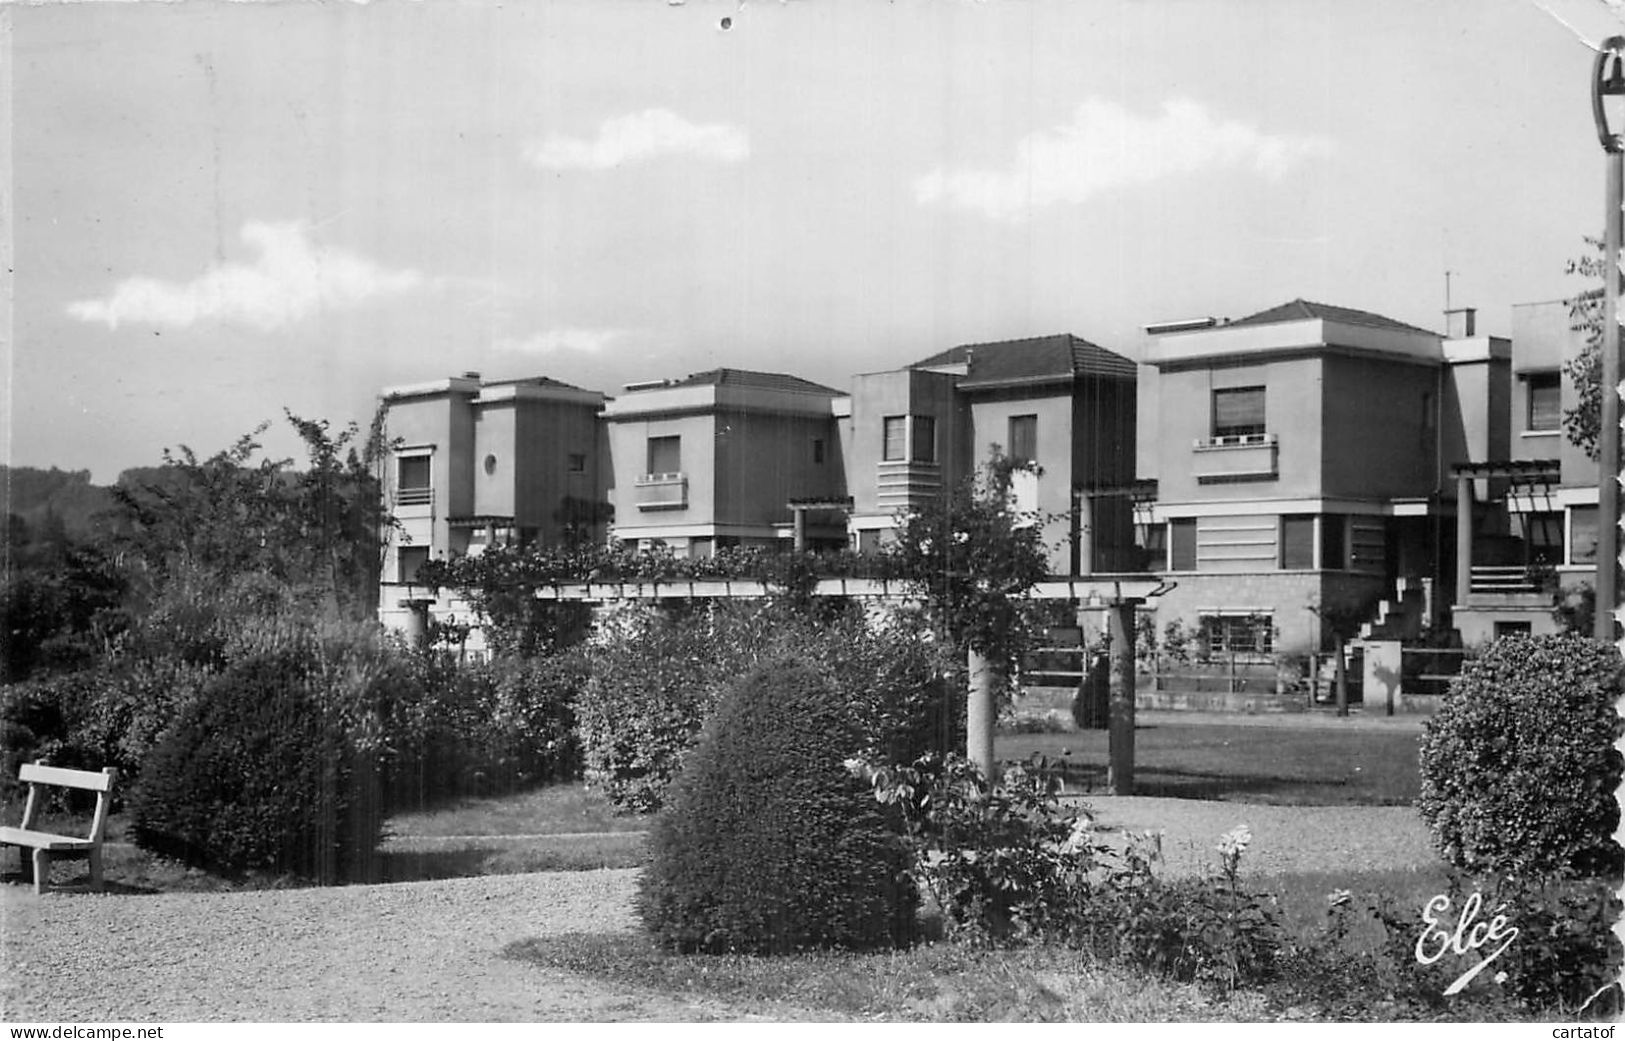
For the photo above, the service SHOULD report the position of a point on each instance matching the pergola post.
(1120, 757)
(980, 714)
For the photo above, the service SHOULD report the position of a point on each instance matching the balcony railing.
(900, 484)
(668, 491)
(1497, 578)
(414, 496)
(1236, 457)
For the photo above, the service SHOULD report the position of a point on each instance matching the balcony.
(1236, 457)
(1487, 578)
(667, 491)
(414, 496)
(900, 485)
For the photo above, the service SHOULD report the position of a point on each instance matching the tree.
(1581, 422)
(972, 557)
(237, 514)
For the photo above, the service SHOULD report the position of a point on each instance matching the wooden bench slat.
(65, 778)
(42, 840)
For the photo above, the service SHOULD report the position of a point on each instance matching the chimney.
(1460, 323)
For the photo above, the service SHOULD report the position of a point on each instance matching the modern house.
(1302, 457)
(1533, 526)
(481, 463)
(715, 459)
(1060, 402)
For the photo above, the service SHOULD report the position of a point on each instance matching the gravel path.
(431, 951)
(413, 952)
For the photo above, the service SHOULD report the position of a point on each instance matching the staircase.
(1404, 615)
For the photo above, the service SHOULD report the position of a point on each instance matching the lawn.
(565, 827)
(1237, 763)
(571, 827)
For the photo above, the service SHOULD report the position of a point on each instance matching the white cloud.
(553, 341)
(290, 280)
(638, 136)
(1106, 146)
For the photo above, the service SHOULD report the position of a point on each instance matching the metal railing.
(1502, 578)
(414, 496)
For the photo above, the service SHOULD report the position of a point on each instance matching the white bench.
(48, 846)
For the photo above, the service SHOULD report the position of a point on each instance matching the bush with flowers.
(1006, 863)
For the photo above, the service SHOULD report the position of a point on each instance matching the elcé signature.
(1468, 936)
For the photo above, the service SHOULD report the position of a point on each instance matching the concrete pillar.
(1120, 758)
(980, 714)
(1464, 537)
(416, 627)
(1382, 673)
(1086, 534)
(800, 516)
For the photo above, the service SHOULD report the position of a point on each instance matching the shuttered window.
(1297, 543)
(411, 558)
(414, 472)
(925, 440)
(1333, 541)
(894, 435)
(1182, 544)
(665, 455)
(1545, 401)
(1023, 439)
(1583, 534)
(1238, 410)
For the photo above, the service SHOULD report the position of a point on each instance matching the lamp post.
(1608, 92)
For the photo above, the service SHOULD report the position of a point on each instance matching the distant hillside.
(36, 496)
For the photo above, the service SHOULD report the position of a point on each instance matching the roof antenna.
(1447, 292)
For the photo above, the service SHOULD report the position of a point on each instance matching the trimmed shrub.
(1519, 767)
(770, 844)
(656, 677)
(264, 771)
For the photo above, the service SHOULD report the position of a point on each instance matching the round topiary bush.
(261, 772)
(768, 844)
(1519, 767)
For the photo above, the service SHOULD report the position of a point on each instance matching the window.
(924, 449)
(1543, 538)
(1182, 544)
(1545, 401)
(818, 450)
(1505, 629)
(414, 471)
(578, 463)
(1238, 411)
(1297, 543)
(409, 559)
(1333, 541)
(1238, 633)
(1152, 540)
(665, 455)
(412, 484)
(1023, 439)
(894, 433)
(1582, 534)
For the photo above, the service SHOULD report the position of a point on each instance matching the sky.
(218, 211)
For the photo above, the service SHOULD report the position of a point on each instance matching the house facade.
(483, 463)
(715, 459)
(1059, 402)
(1302, 462)
(1533, 526)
